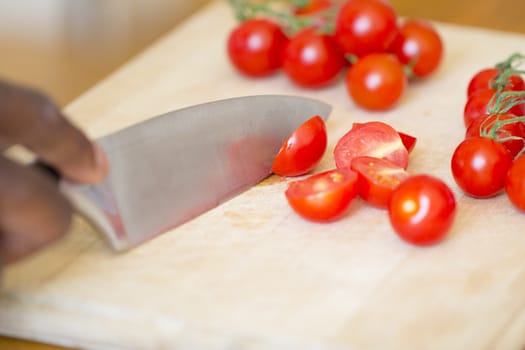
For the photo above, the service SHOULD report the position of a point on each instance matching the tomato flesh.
(323, 197)
(479, 166)
(422, 210)
(378, 178)
(374, 139)
(303, 149)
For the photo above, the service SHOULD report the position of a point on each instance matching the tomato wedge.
(374, 139)
(377, 179)
(301, 152)
(409, 141)
(323, 197)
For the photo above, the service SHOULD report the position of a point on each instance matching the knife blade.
(173, 167)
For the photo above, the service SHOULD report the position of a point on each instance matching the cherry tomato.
(484, 79)
(323, 197)
(487, 123)
(409, 141)
(376, 81)
(365, 26)
(422, 210)
(313, 60)
(314, 6)
(256, 47)
(515, 183)
(420, 46)
(377, 179)
(479, 166)
(301, 152)
(478, 106)
(374, 139)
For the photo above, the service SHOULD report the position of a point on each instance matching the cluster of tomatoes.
(370, 162)
(490, 160)
(315, 42)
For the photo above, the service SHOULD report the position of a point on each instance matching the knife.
(173, 167)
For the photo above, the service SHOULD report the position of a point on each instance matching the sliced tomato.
(409, 141)
(374, 139)
(323, 197)
(301, 152)
(377, 179)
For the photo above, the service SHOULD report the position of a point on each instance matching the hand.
(33, 213)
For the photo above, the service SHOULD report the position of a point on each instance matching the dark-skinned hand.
(33, 213)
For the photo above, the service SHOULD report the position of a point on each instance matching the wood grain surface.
(503, 15)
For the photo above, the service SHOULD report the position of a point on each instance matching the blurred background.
(65, 47)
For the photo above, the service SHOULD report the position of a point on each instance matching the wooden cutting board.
(250, 274)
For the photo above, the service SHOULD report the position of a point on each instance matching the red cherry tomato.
(377, 179)
(422, 210)
(374, 139)
(484, 79)
(376, 82)
(323, 197)
(256, 47)
(313, 60)
(514, 146)
(479, 166)
(301, 152)
(314, 6)
(419, 45)
(479, 103)
(409, 141)
(365, 26)
(515, 183)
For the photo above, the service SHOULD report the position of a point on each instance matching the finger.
(29, 118)
(33, 213)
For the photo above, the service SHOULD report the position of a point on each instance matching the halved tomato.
(377, 179)
(374, 139)
(301, 152)
(323, 197)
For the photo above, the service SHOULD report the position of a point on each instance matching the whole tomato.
(479, 104)
(479, 166)
(312, 60)
(484, 80)
(515, 183)
(422, 210)
(256, 47)
(515, 132)
(420, 46)
(365, 26)
(314, 6)
(376, 81)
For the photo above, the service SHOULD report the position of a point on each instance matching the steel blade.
(172, 168)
